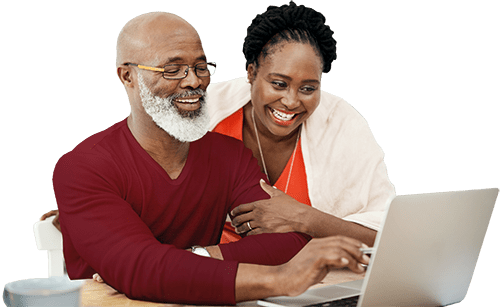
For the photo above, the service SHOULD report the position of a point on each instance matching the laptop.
(424, 255)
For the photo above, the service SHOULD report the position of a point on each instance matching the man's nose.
(191, 79)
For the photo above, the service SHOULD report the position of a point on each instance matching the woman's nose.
(291, 100)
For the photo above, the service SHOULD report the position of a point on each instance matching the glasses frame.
(162, 69)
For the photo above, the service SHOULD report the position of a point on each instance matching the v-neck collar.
(193, 149)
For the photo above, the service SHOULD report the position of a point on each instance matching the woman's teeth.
(283, 116)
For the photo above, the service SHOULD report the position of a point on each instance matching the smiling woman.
(285, 92)
(311, 145)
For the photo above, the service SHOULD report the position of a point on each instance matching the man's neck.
(167, 151)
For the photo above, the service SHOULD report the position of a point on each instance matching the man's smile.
(188, 100)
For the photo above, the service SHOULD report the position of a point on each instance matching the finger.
(340, 258)
(342, 252)
(97, 277)
(241, 219)
(353, 247)
(49, 214)
(244, 208)
(244, 228)
(57, 224)
(270, 190)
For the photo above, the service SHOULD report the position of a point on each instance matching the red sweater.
(122, 216)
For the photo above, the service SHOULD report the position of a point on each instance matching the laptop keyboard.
(346, 302)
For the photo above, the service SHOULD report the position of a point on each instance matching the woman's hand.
(280, 213)
(55, 221)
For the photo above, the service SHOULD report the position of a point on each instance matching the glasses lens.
(175, 71)
(178, 71)
(205, 69)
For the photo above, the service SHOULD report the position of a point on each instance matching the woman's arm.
(282, 213)
(319, 224)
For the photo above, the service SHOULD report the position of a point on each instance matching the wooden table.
(99, 294)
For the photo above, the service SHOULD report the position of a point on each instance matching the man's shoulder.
(89, 143)
(221, 142)
(96, 150)
(224, 149)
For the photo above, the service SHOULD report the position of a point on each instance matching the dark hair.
(289, 23)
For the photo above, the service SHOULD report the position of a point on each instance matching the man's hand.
(55, 221)
(317, 258)
(281, 213)
(97, 278)
(307, 268)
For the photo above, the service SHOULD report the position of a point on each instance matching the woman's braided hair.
(289, 23)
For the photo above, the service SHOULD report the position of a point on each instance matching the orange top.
(297, 187)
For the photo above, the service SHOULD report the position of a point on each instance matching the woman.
(312, 145)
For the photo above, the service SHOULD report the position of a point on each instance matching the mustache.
(188, 93)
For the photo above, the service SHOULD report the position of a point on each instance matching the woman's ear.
(251, 73)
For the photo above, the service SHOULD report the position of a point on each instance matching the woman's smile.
(281, 117)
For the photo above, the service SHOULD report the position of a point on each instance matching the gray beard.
(185, 126)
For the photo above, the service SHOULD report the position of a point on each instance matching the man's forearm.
(215, 252)
(256, 282)
(265, 249)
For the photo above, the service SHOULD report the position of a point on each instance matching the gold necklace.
(262, 155)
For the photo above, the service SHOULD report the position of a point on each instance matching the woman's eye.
(308, 89)
(279, 84)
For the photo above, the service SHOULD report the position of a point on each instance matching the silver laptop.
(424, 255)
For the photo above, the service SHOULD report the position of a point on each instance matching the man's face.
(176, 106)
(184, 125)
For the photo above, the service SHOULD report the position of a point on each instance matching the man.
(134, 197)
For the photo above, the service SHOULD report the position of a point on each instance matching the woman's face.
(286, 88)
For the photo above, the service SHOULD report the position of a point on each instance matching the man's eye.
(172, 71)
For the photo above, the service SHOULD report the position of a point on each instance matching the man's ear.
(251, 73)
(125, 75)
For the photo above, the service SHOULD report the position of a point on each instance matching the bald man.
(139, 200)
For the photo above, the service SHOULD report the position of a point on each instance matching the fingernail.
(366, 258)
(361, 267)
(344, 261)
(363, 245)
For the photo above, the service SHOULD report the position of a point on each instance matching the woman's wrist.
(304, 219)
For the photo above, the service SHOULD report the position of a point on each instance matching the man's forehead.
(158, 37)
(181, 52)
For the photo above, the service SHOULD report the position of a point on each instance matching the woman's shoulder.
(224, 98)
(228, 93)
(333, 108)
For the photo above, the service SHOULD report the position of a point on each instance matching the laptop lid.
(428, 249)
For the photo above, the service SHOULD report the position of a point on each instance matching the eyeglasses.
(180, 71)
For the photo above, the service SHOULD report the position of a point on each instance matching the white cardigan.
(346, 173)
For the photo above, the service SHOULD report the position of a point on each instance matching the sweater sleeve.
(101, 230)
(266, 249)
